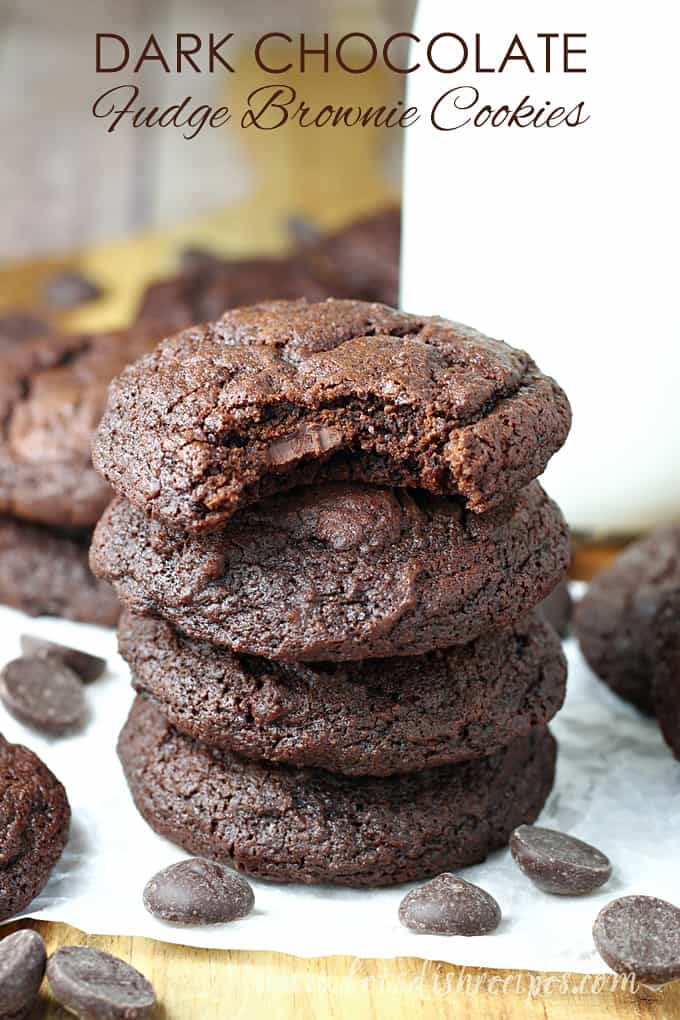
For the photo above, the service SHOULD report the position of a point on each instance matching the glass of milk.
(561, 240)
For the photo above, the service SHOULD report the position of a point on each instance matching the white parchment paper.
(617, 787)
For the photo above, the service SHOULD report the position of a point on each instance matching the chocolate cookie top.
(34, 825)
(361, 259)
(44, 572)
(342, 571)
(616, 621)
(52, 394)
(376, 717)
(206, 292)
(287, 393)
(306, 825)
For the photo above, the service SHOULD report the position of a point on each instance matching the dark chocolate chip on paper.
(88, 667)
(197, 891)
(448, 905)
(557, 862)
(43, 693)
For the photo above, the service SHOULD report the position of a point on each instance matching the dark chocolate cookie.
(666, 678)
(214, 285)
(342, 571)
(361, 259)
(376, 717)
(616, 621)
(52, 394)
(289, 393)
(311, 826)
(34, 824)
(45, 572)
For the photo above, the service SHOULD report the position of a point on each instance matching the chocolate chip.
(88, 667)
(640, 935)
(448, 905)
(22, 965)
(91, 983)
(65, 290)
(557, 608)
(197, 891)
(42, 693)
(558, 863)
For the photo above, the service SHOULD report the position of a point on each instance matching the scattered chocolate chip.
(22, 965)
(557, 607)
(559, 863)
(193, 259)
(640, 935)
(42, 693)
(197, 891)
(92, 984)
(65, 290)
(448, 905)
(88, 667)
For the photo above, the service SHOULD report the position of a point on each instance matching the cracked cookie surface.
(340, 571)
(291, 393)
(34, 826)
(377, 717)
(307, 825)
(52, 394)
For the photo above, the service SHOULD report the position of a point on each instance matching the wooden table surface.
(214, 985)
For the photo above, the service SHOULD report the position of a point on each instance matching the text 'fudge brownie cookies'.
(288, 393)
(52, 394)
(217, 284)
(45, 572)
(342, 571)
(306, 825)
(34, 825)
(616, 621)
(376, 717)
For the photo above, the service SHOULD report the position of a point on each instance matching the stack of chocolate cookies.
(330, 544)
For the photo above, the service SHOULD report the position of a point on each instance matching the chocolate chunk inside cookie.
(288, 393)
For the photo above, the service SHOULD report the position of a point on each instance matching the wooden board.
(198, 984)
